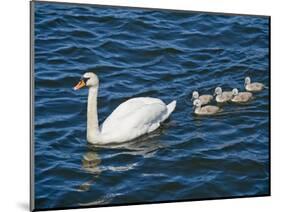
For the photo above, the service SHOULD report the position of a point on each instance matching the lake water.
(162, 54)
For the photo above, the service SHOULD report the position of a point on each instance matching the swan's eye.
(85, 79)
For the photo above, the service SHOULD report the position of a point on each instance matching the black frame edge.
(31, 108)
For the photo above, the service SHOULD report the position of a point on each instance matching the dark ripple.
(161, 54)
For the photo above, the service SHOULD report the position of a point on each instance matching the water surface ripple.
(161, 54)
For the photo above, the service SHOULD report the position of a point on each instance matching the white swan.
(206, 110)
(222, 96)
(205, 99)
(241, 97)
(131, 119)
(254, 86)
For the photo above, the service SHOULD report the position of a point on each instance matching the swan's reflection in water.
(142, 145)
(90, 163)
(145, 146)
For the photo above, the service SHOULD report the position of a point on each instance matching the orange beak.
(79, 85)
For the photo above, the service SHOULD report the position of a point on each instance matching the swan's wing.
(228, 94)
(130, 106)
(137, 115)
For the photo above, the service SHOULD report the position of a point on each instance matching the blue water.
(162, 54)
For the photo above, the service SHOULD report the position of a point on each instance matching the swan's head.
(88, 79)
(235, 92)
(197, 103)
(247, 80)
(218, 91)
(195, 95)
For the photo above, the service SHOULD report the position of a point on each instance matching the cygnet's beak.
(79, 85)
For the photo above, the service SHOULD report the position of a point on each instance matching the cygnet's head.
(197, 103)
(247, 80)
(88, 79)
(218, 91)
(195, 95)
(235, 91)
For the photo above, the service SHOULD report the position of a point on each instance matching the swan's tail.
(171, 107)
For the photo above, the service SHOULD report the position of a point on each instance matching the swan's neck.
(93, 131)
(197, 109)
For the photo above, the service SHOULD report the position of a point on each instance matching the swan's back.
(130, 106)
(242, 97)
(207, 110)
(135, 117)
(224, 97)
(255, 86)
(205, 99)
